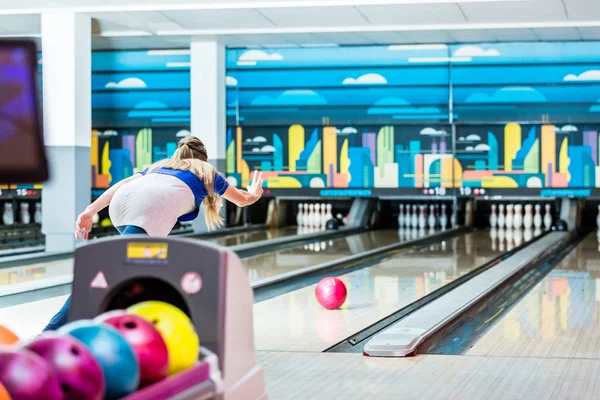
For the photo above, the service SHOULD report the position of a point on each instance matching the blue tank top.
(196, 185)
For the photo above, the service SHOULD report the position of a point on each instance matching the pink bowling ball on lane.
(331, 293)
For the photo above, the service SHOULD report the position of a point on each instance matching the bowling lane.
(254, 236)
(296, 322)
(44, 274)
(558, 318)
(267, 265)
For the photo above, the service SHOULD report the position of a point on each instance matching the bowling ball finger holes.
(75, 351)
(130, 325)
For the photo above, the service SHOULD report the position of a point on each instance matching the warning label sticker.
(99, 282)
(191, 283)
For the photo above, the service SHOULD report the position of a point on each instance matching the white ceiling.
(241, 23)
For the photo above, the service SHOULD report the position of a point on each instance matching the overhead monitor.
(22, 154)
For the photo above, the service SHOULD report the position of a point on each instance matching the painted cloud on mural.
(300, 97)
(509, 94)
(366, 79)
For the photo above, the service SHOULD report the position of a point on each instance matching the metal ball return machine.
(208, 282)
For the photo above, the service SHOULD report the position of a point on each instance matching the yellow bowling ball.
(176, 329)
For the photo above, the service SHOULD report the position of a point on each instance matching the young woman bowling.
(170, 190)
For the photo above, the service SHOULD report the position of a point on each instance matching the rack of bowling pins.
(313, 216)
(420, 216)
(517, 216)
(24, 215)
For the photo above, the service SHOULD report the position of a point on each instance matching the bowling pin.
(414, 233)
(443, 218)
(501, 236)
(493, 217)
(431, 221)
(501, 216)
(518, 217)
(537, 218)
(329, 214)
(25, 216)
(527, 234)
(528, 217)
(310, 215)
(518, 237)
(408, 217)
(400, 216)
(437, 215)
(8, 217)
(422, 220)
(508, 220)
(494, 237)
(415, 216)
(453, 216)
(509, 239)
(95, 219)
(300, 215)
(37, 216)
(547, 218)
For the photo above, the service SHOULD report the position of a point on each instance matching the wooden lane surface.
(559, 317)
(296, 322)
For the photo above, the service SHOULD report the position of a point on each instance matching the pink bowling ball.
(146, 342)
(331, 293)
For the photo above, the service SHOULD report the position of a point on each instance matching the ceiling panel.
(218, 19)
(413, 14)
(314, 16)
(518, 11)
(122, 21)
(472, 35)
(589, 33)
(157, 20)
(10, 24)
(514, 35)
(557, 34)
(583, 10)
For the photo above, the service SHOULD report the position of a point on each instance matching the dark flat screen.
(22, 157)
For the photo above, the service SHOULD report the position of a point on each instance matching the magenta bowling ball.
(331, 293)
(80, 375)
(27, 376)
(146, 341)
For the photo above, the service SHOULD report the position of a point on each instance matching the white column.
(208, 121)
(66, 68)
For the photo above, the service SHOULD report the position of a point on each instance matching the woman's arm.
(241, 198)
(104, 200)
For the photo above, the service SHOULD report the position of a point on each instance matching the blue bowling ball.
(115, 356)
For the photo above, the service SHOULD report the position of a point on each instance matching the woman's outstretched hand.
(256, 187)
(83, 226)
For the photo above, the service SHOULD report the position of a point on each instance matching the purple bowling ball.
(27, 376)
(80, 375)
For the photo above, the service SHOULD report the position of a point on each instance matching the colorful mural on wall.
(346, 157)
(529, 156)
(287, 109)
(366, 117)
(116, 155)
